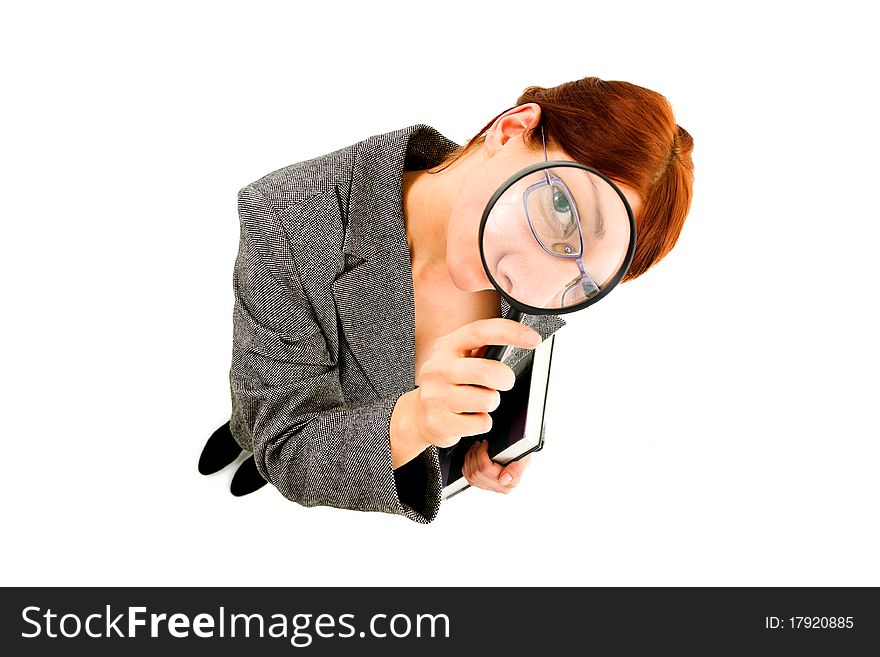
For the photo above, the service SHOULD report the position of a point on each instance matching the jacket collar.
(374, 201)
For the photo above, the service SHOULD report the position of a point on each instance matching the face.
(531, 242)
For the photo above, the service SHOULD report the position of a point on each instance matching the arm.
(307, 442)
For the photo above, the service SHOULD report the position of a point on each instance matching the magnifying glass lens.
(556, 236)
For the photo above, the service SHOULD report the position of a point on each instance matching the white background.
(712, 423)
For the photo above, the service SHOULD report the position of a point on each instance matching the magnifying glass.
(556, 237)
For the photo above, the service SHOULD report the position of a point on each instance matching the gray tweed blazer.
(324, 325)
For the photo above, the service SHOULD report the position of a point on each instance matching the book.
(518, 424)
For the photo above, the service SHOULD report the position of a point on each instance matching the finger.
(467, 424)
(512, 473)
(495, 330)
(472, 399)
(475, 477)
(482, 372)
(469, 469)
(490, 473)
(486, 465)
(486, 471)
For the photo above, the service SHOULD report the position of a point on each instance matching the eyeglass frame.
(585, 279)
(520, 307)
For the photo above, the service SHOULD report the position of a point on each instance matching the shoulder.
(295, 184)
(301, 204)
(369, 162)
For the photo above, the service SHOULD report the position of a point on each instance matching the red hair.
(628, 133)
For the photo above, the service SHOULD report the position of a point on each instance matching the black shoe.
(220, 450)
(246, 479)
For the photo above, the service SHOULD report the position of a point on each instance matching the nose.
(535, 281)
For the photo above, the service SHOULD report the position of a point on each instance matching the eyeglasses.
(552, 196)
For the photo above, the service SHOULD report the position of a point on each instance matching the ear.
(513, 123)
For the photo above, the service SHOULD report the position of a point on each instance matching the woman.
(362, 307)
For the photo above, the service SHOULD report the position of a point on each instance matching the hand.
(482, 472)
(456, 390)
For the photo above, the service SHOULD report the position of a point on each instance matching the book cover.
(517, 423)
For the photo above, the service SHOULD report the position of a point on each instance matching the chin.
(461, 282)
(466, 280)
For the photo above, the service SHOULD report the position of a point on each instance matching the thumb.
(510, 474)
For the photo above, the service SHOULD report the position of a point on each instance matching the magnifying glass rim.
(627, 261)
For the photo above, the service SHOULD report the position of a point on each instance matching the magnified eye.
(560, 202)
(561, 222)
(561, 207)
(558, 211)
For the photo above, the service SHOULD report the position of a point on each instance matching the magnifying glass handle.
(496, 351)
(499, 351)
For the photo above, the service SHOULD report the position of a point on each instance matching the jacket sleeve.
(287, 396)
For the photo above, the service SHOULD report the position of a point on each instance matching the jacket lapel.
(374, 293)
(375, 307)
